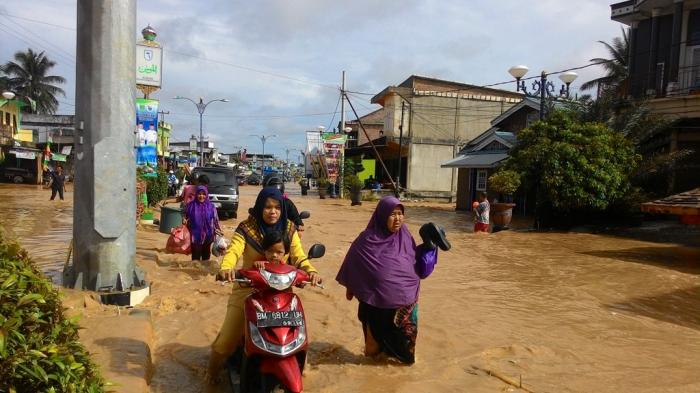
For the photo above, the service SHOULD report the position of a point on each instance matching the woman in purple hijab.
(203, 222)
(383, 269)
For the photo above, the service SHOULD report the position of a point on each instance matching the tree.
(615, 67)
(28, 77)
(574, 167)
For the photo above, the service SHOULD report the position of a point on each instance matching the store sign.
(149, 61)
(26, 155)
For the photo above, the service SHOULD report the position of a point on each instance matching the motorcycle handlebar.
(247, 281)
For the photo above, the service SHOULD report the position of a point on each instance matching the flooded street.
(557, 312)
(44, 227)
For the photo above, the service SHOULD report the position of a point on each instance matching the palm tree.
(615, 67)
(27, 77)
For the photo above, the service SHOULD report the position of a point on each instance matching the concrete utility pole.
(104, 218)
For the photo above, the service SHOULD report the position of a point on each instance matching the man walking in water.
(57, 182)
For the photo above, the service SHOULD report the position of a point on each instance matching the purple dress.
(383, 270)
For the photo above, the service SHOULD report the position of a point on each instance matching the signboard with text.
(149, 61)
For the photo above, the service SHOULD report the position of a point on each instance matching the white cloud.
(378, 43)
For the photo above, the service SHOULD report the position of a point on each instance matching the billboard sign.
(149, 63)
(146, 129)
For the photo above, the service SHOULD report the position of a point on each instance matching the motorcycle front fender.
(286, 370)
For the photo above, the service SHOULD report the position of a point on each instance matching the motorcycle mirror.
(304, 215)
(317, 251)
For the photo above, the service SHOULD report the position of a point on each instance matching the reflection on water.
(43, 227)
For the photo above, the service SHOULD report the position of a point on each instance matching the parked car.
(18, 175)
(223, 188)
(253, 180)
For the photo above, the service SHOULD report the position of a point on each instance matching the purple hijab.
(202, 217)
(379, 268)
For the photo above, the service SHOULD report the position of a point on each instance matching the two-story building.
(439, 117)
(664, 67)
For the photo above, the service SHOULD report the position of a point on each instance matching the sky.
(279, 62)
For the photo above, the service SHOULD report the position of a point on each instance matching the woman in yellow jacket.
(246, 248)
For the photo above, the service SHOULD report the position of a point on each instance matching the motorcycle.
(273, 353)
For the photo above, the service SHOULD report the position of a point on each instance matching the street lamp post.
(263, 139)
(542, 88)
(201, 106)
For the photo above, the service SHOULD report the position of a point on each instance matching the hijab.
(379, 268)
(257, 213)
(201, 216)
(254, 228)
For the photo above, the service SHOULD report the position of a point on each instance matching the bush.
(39, 347)
(323, 182)
(504, 182)
(575, 167)
(157, 187)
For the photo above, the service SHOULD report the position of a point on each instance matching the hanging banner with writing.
(146, 131)
(333, 144)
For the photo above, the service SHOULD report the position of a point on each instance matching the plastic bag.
(219, 246)
(180, 241)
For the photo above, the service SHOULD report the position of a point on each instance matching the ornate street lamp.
(201, 106)
(542, 88)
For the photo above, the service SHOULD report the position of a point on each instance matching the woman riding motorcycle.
(269, 214)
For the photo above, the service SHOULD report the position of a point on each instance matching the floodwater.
(43, 227)
(550, 312)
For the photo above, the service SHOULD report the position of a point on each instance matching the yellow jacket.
(247, 254)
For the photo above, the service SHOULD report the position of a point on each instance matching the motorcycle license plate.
(280, 318)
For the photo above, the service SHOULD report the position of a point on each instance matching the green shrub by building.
(39, 347)
(156, 186)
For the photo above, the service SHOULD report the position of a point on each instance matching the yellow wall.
(9, 115)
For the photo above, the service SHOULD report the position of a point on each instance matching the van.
(223, 188)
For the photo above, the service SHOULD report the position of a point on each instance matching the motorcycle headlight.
(279, 281)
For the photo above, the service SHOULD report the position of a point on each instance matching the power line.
(273, 74)
(31, 33)
(38, 21)
(31, 42)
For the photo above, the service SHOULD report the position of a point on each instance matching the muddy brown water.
(561, 312)
(44, 227)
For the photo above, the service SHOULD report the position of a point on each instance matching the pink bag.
(179, 241)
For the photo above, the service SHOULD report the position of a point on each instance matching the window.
(481, 175)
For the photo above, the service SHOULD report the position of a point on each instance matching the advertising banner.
(333, 145)
(149, 61)
(146, 130)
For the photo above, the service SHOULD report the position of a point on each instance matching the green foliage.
(323, 182)
(353, 184)
(39, 347)
(156, 187)
(574, 166)
(504, 182)
(27, 77)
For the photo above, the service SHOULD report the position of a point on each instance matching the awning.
(488, 160)
(685, 203)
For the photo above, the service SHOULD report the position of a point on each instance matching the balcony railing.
(688, 82)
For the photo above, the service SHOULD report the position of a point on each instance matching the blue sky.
(280, 61)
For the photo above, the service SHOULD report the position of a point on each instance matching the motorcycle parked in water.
(273, 353)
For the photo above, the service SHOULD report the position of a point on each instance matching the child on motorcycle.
(273, 244)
